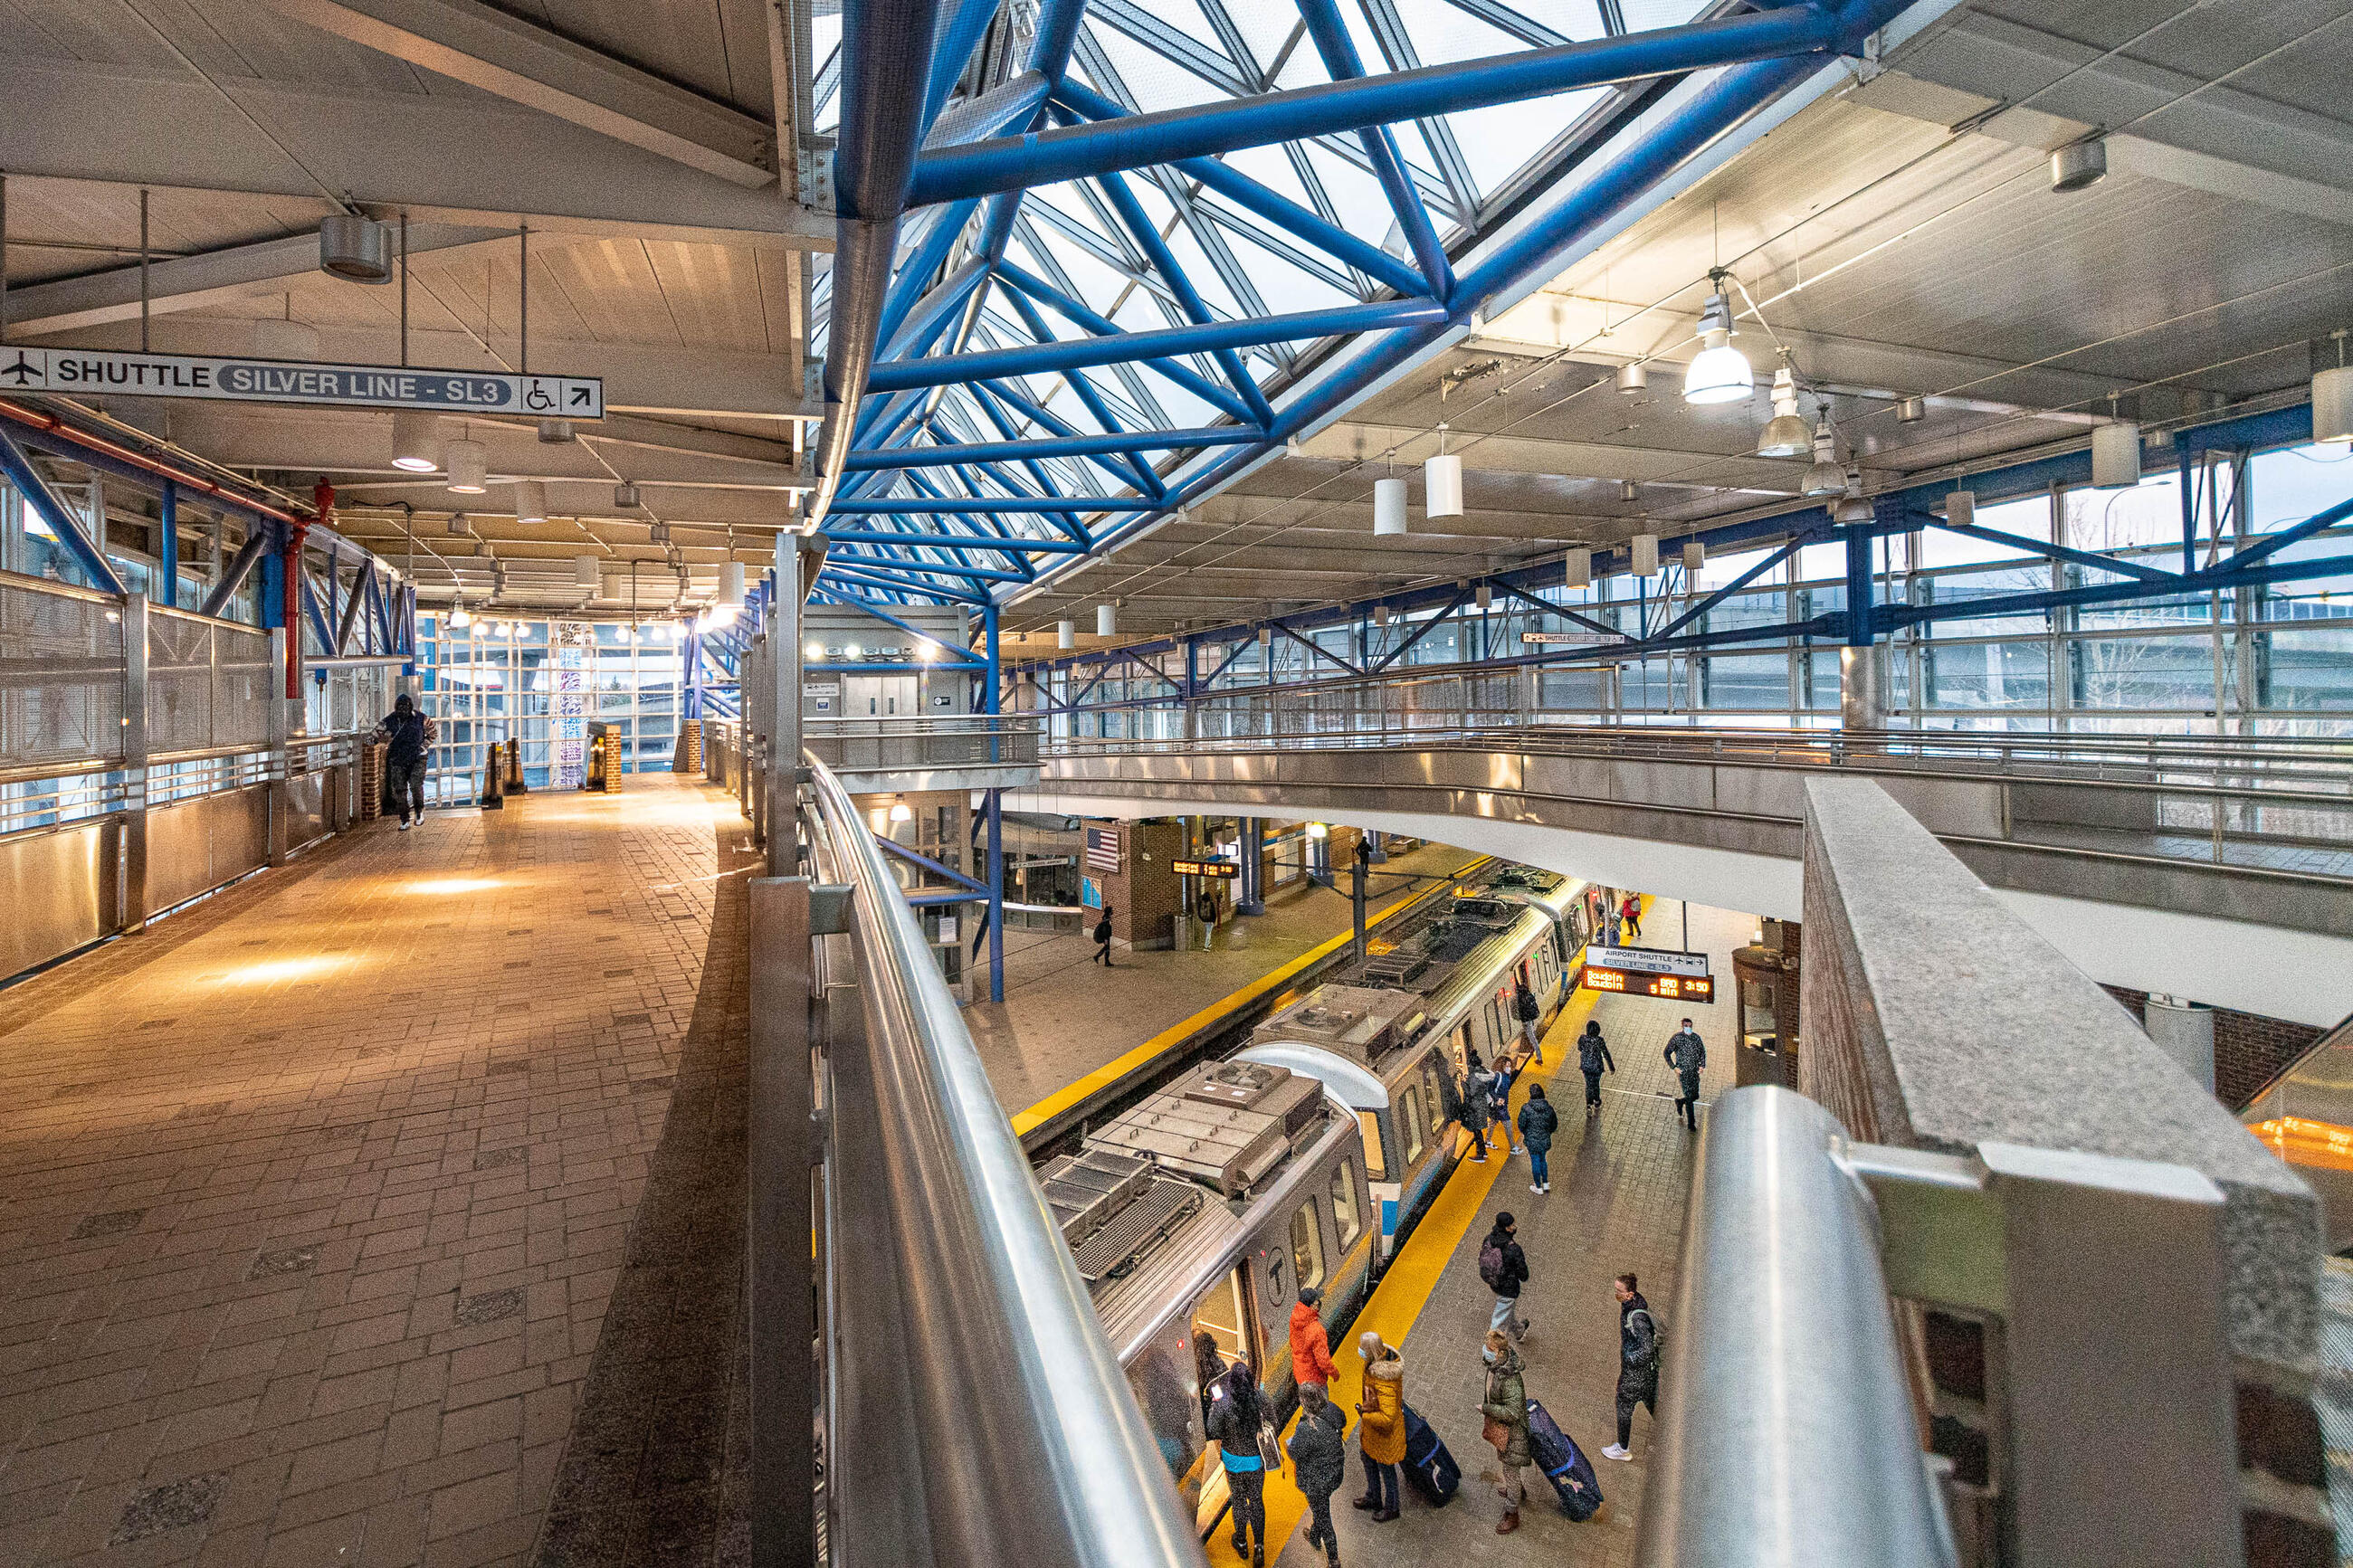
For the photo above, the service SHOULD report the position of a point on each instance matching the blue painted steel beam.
(1199, 131)
(1055, 446)
(904, 506)
(956, 41)
(1000, 399)
(1766, 564)
(1342, 64)
(1145, 481)
(958, 541)
(1055, 355)
(862, 571)
(1317, 649)
(1545, 607)
(1078, 315)
(1147, 236)
(900, 852)
(167, 530)
(53, 510)
(1462, 598)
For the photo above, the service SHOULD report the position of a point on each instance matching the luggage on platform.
(1428, 1465)
(1563, 1463)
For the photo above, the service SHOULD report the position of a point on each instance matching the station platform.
(314, 1199)
(1066, 1017)
(1619, 1185)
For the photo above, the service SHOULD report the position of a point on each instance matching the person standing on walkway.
(1381, 1425)
(1525, 1004)
(1319, 1454)
(1593, 1059)
(1310, 1351)
(1506, 1406)
(406, 733)
(1538, 1122)
(1236, 1413)
(1610, 925)
(1638, 1364)
(1505, 1268)
(1631, 913)
(1478, 1103)
(1103, 938)
(1499, 1102)
(1687, 1053)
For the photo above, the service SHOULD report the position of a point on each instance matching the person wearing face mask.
(1506, 1406)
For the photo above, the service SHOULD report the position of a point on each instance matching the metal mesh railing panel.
(179, 684)
(243, 682)
(60, 679)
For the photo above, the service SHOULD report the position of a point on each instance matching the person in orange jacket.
(1311, 1352)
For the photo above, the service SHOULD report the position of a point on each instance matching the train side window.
(1376, 1162)
(1344, 1221)
(1174, 1415)
(1409, 1124)
(1307, 1245)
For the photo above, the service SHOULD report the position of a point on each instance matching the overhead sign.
(1205, 868)
(1649, 960)
(90, 373)
(1568, 639)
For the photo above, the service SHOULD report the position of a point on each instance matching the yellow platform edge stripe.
(1112, 1072)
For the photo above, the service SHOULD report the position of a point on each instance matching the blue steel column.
(995, 806)
(167, 520)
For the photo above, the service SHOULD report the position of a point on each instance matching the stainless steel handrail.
(1785, 1436)
(1031, 1449)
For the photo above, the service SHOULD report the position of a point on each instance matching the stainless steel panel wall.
(195, 846)
(59, 889)
(306, 808)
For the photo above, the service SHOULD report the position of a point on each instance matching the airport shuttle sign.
(90, 374)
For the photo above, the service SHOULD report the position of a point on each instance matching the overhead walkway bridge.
(2221, 870)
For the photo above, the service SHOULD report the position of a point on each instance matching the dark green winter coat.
(1507, 1402)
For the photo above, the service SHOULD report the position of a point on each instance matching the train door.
(1228, 1313)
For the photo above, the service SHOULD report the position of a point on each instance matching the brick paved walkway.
(313, 1200)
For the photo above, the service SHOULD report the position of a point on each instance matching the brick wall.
(1143, 894)
(2249, 1048)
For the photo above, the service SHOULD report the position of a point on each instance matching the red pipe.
(51, 423)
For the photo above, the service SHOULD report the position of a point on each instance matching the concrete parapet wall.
(1937, 1019)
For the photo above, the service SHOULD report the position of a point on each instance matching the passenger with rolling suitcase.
(1428, 1464)
(1506, 1408)
(1563, 1463)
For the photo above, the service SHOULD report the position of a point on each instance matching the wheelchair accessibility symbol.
(539, 395)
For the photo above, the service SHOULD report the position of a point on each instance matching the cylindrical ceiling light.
(1106, 620)
(1911, 410)
(1644, 547)
(585, 572)
(731, 582)
(1441, 482)
(1484, 596)
(1694, 556)
(1380, 615)
(625, 497)
(555, 432)
(1961, 508)
(2116, 455)
(355, 248)
(416, 440)
(1580, 564)
(1786, 436)
(2332, 398)
(1388, 508)
(2084, 164)
(1632, 378)
(1825, 477)
(530, 502)
(1628, 491)
(1266, 636)
(469, 463)
(1718, 372)
(1066, 635)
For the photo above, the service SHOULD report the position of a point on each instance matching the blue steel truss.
(1091, 272)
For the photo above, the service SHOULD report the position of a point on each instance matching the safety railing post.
(135, 747)
(784, 1149)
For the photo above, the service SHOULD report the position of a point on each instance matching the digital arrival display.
(1648, 972)
(1205, 868)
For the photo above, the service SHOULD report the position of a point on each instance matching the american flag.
(1102, 850)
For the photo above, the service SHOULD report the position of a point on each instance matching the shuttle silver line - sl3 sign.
(95, 373)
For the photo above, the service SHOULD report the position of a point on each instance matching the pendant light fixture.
(1388, 508)
(1718, 372)
(1441, 482)
(469, 463)
(2332, 398)
(416, 440)
(1961, 508)
(584, 573)
(1825, 477)
(1380, 615)
(530, 502)
(2115, 451)
(1632, 378)
(1579, 569)
(731, 584)
(461, 617)
(1645, 548)
(1694, 557)
(1786, 436)
(1107, 620)
(1066, 635)
(2078, 167)
(1628, 491)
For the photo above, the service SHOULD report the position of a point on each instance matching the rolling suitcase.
(1563, 1463)
(1428, 1465)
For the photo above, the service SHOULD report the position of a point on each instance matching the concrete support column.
(1860, 705)
(1252, 892)
(134, 761)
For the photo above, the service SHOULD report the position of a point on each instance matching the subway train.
(1207, 1203)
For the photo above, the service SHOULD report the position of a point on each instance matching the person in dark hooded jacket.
(1638, 1364)
(1318, 1449)
(1478, 1103)
(1593, 1059)
(1236, 1411)
(1538, 1121)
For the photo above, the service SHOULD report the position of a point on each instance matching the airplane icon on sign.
(24, 370)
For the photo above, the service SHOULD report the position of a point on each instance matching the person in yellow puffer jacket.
(1381, 1432)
